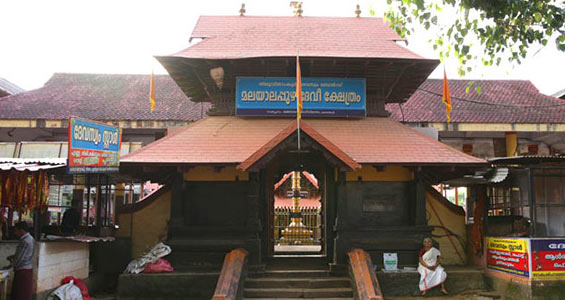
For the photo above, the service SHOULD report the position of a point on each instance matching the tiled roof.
(232, 140)
(233, 37)
(102, 97)
(500, 101)
(6, 87)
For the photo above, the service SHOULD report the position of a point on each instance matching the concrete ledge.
(186, 285)
(230, 283)
(459, 279)
(364, 279)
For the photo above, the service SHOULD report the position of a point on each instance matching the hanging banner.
(322, 97)
(508, 255)
(548, 258)
(93, 147)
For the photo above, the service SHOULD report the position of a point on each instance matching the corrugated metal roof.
(31, 164)
(9, 87)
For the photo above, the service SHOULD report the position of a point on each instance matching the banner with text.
(322, 97)
(508, 255)
(93, 147)
(548, 258)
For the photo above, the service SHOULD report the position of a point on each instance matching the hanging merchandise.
(2, 188)
(31, 187)
(44, 188)
(22, 188)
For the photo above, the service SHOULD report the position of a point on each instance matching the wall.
(56, 260)
(384, 173)
(150, 221)
(453, 218)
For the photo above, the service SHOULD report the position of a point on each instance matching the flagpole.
(298, 90)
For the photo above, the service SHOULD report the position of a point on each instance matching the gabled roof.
(232, 140)
(235, 37)
(286, 133)
(500, 101)
(102, 97)
(8, 88)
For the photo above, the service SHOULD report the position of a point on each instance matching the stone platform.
(178, 285)
(405, 283)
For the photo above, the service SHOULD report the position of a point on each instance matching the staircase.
(297, 283)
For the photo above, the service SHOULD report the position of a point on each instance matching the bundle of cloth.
(151, 261)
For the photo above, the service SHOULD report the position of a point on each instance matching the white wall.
(56, 260)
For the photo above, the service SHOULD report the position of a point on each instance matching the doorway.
(298, 213)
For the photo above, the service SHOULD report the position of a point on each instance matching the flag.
(445, 98)
(152, 92)
(298, 90)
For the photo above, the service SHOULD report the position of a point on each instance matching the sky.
(39, 38)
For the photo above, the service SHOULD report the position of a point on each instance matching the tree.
(504, 29)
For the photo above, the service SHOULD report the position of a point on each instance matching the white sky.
(39, 38)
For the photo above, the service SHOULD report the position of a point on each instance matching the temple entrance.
(298, 214)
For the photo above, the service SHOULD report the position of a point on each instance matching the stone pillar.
(340, 243)
(511, 143)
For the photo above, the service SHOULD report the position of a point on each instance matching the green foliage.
(505, 29)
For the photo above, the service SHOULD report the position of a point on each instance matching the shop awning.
(31, 164)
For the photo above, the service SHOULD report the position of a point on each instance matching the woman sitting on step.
(431, 272)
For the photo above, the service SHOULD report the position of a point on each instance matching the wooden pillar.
(177, 201)
(420, 209)
(511, 143)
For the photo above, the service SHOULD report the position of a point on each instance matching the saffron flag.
(298, 90)
(152, 92)
(445, 98)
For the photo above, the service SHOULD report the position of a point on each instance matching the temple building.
(373, 173)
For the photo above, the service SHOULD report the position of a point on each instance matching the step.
(346, 298)
(330, 282)
(290, 274)
(297, 293)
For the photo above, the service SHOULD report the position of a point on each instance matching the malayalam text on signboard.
(93, 147)
(321, 97)
(508, 255)
(548, 258)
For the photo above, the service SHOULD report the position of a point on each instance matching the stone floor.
(467, 295)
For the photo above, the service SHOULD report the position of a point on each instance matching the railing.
(366, 284)
(311, 218)
(230, 283)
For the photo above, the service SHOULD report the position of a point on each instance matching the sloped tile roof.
(222, 140)
(102, 97)
(500, 101)
(288, 131)
(235, 37)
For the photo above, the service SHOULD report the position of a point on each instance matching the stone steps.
(297, 293)
(310, 283)
(297, 284)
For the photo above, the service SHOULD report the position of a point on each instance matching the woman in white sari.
(431, 272)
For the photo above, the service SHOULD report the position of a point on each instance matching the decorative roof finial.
(299, 11)
(297, 8)
(242, 10)
(358, 11)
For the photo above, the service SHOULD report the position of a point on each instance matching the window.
(549, 202)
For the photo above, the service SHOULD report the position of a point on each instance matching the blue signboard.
(321, 97)
(93, 147)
